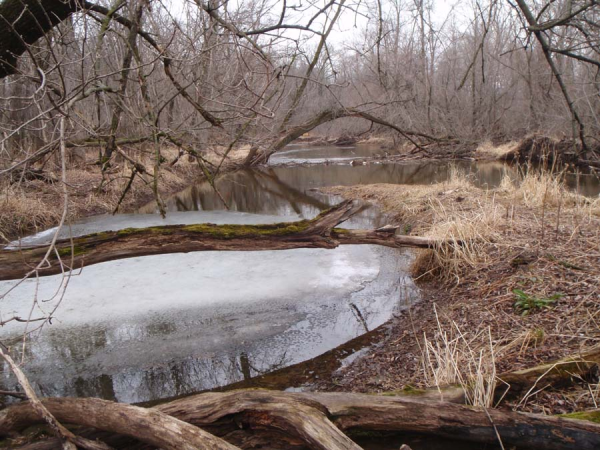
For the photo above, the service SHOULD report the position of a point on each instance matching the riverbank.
(521, 291)
(35, 202)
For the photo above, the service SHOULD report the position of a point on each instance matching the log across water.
(313, 420)
(320, 232)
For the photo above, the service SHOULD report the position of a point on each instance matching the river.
(155, 327)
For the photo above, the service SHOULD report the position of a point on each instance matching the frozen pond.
(146, 328)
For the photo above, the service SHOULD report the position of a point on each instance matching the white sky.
(349, 25)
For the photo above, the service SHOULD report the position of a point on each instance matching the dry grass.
(452, 357)
(536, 237)
(235, 155)
(487, 150)
(30, 206)
(21, 213)
(453, 211)
(539, 188)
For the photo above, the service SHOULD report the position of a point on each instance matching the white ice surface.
(144, 328)
(119, 290)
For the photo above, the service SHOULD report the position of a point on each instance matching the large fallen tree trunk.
(256, 156)
(319, 232)
(319, 420)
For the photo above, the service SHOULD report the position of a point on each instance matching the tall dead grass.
(543, 189)
(21, 213)
(455, 212)
(463, 227)
(453, 357)
(463, 237)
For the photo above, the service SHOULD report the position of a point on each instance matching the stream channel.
(149, 328)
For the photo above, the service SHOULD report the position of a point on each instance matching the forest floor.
(522, 290)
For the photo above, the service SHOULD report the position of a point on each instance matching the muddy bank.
(528, 276)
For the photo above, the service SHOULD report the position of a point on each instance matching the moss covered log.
(319, 232)
(559, 373)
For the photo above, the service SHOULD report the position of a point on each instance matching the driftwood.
(556, 373)
(314, 420)
(319, 232)
(147, 425)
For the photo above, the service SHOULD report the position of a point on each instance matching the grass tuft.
(452, 357)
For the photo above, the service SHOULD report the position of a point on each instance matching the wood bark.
(319, 232)
(146, 425)
(556, 373)
(359, 412)
(316, 419)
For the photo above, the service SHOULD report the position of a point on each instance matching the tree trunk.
(293, 133)
(316, 420)
(146, 425)
(22, 22)
(319, 232)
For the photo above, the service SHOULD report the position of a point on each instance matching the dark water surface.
(290, 190)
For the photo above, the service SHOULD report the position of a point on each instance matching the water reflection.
(299, 153)
(289, 191)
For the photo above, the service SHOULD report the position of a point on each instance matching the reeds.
(452, 357)
(20, 213)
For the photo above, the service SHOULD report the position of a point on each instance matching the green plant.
(526, 303)
(538, 335)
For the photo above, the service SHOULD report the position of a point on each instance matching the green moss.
(240, 231)
(406, 390)
(65, 252)
(590, 416)
(220, 231)
(341, 231)
(128, 231)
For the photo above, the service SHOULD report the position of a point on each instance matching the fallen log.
(556, 373)
(319, 232)
(319, 419)
(146, 425)
(359, 412)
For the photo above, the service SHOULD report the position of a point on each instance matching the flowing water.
(144, 329)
